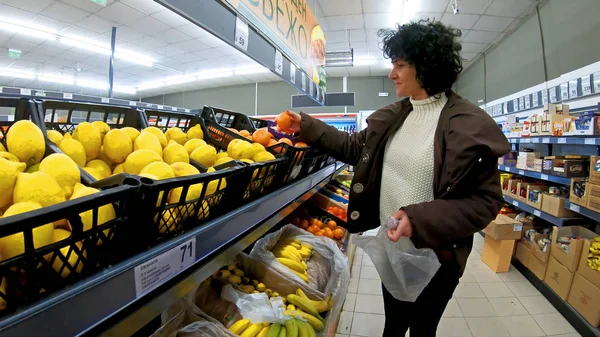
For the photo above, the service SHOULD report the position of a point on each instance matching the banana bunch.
(310, 310)
(593, 260)
(292, 328)
(245, 328)
(235, 275)
(293, 254)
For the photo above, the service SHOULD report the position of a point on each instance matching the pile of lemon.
(28, 182)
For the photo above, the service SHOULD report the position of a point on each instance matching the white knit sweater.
(407, 176)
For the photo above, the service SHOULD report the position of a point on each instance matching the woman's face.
(404, 77)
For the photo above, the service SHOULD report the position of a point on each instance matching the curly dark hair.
(431, 47)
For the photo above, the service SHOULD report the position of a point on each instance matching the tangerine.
(338, 233)
(262, 137)
(304, 224)
(284, 122)
(272, 142)
(331, 224)
(319, 233)
(244, 133)
(233, 130)
(286, 141)
(328, 232)
(311, 230)
(301, 144)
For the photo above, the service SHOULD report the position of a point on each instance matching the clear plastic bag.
(255, 307)
(404, 269)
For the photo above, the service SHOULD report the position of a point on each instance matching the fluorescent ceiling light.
(124, 89)
(251, 71)
(17, 74)
(180, 80)
(92, 84)
(150, 85)
(215, 75)
(56, 79)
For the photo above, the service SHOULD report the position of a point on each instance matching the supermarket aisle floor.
(485, 304)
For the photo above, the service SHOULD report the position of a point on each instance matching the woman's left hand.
(404, 227)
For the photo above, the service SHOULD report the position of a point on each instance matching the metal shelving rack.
(548, 217)
(536, 175)
(108, 302)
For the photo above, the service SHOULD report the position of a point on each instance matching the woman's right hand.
(295, 121)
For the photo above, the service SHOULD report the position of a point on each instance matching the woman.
(429, 160)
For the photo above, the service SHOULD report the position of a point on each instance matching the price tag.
(526, 140)
(544, 97)
(26, 92)
(534, 98)
(311, 88)
(521, 172)
(552, 95)
(104, 100)
(515, 203)
(575, 208)
(544, 177)
(174, 109)
(516, 104)
(161, 107)
(562, 141)
(132, 103)
(318, 93)
(303, 82)
(149, 105)
(597, 82)
(517, 227)
(590, 141)
(154, 272)
(293, 73)
(527, 101)
(564, 91)
(1, 90)
(521, 103)
(241, 34)
(535, 140)
(537, 213)
(68, 96)
(40, 93)
(278, 62)
(546, 140)
(187, 110)
(586, 85)
(573, 89)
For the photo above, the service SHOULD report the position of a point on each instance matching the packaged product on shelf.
(569, 166)
(504, 179)
(536, 120)
(509, 159)
(595, 169)
(580, 191)
(593, 200)
(526, 128)
(559, 109)
(535, 194)
(567, 244)
(522, 191)
(526, 160)
(515, 130)
(586, 124)
(512, 187)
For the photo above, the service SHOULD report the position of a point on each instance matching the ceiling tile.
(76, 31)
(336, 36)
(359, 46)
(126, 34)
(358, 35)
(432, 16)
(49, 24)
(49, 48)
(16, 13)
(170, 18)
(96, 24)
(22, 45)
(378, 6)
(34, 6)
(119, 12)
(337, 46)
(191, 45)
(211, 53)
(336, 8)
(470, 6)
(145, 6)
(345, 22)
(186, 58)
(469, 47)
(148, 42)
(66, 13)
(212, 41)
(193, 31)
(480, 36)
(87, 6)
(510, 8)
(25, 64)
(469, 56)
(493, 23)
(169, 51)
(461, 21)
(149, 25)
(228, 50)
(379, 20)
(431, 6)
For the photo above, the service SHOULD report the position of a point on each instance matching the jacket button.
(479, 160)
(358, 188)
(448, 189)
(354, 215)
(365, 158)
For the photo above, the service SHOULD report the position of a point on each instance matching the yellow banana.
(304, 304)
(305, 253)
(306, 245)
(290, 249)
(291, 327)
(296, 244)
(274, 330)
(316, 323)
(286, 254)
(291, 307)
(282, 332)
(303, 329)
(252, 330)
(239, 326)
(310, 329)
(304, 264)
(291, 264)
(266, 324)
(263, 332)
(322, 306)
(301, 275)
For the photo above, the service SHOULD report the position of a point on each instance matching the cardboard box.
(584, 270)
(497, 254)
(512, 187)
(594, 190)
(504, 179)
(595, 169)
(504, 228)
(507, 162)
(536, 120)
(535, 194)
(571, 259)
(585, 298)
(558, 278)
(561, 109)
(537, 267)
(570, 168)
(580, 191)
(537, 251)
(522, 191)
(555, 205)
(584, 125)
(553, 124)
(593, 204)
(523, 254)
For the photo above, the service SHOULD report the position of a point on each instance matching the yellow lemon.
(177, 135)
(14, 245)
(205, 155)
(222, 160)
(249, 161)
(117, 145)
(67, 135)
(174, 153)
(193, 144)
(131, 132)
(158, 134)
(102, 127)
(212, 186)
(54, 136)
(38, 187)
(2, 148)
(9, 171)
(222, 155)
(250, 152)
(74, 149)
(94, 173)
(102, 156)
(158, 169)
(138, 159)
(118, 169)
(238, 150)
(103, 169)
(26, 141)
(10, 157)
(263, 156)
(72, 256)
(232, 144)
(147, 140)
(33, 168)
(184, 169)
(89, 137)
(63, 169)
(195, 132)
(105, 212)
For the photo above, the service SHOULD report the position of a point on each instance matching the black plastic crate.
(228, 119)
(21, 108)
(258, 123)
(165, 120)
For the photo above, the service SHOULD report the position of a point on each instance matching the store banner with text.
(291, 25)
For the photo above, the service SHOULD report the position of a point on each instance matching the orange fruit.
(261, 136)
(286, 141)
(313, 221)
(319, 233)
(338, 233)
(244, 133)
(328, 232)
(304, 224)
(233, 130)
(301, 144)
(331, 224)
(284, 122)
(272, 142)
(311, 229)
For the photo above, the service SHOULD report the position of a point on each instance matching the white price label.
(68, 96)
(575, 208)
(311, 88)
(544, 96)
(148, 105)
(40, 93)
(278, 62)
(521, 172)
(573, 89)
(293, 73)
(590, 141)
(586, 85)
(544, 177)
(526, 140)
(535, 140)
(515, 203)
(527, 101)
(25, 92)
(552, 95)
(521, 103)
(517, 227)
(241, 34)
(546, 140)
(133, 103)
(160, 106)
(104, 100)
(515, 104)
(534, 100)
(597, 82)
(537, 213)
(318, 93)
(188, 110)
(564, 91)
(154, 272)
(562, 141)
(303, 82)
(173, 109)
(1, 90)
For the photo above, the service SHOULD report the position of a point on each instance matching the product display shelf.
(572, 140)
(107, 298)
(582, 210)
(565, 309)
(536, 175)
(550, 218)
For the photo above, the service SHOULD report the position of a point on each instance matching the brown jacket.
(466, 185)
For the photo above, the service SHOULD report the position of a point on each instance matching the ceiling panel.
(170, 18)
(431, 6)
(144, 6)
(480, 36)
(379, 20)
(193, 31)
(378, 6)
(341, 7)
(470, 47)
(119, 12)
(337, 36)
(87, 6)
(16, 13)
(345, 22)
(49, 24)
(34, 6)
(510, 8)
(149, 25)
(471, 6)
(493, 23)
(461, 21)
(357, 35)
(66, 13)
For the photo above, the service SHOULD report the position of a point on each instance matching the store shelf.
(557, 140)
(536, 175)
(569, 313)
(102, 301)
(583, 211)
(550, 218)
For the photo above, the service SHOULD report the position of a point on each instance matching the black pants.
(422, 316)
